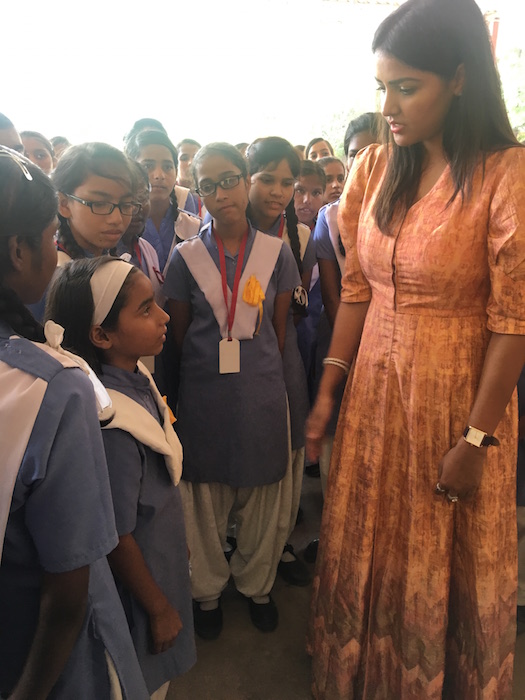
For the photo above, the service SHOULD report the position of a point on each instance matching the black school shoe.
(264, 616)
(313, 470)
(293, 572)
(207, 623)
(310, 551)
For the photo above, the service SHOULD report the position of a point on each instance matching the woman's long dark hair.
(70, 303)
(271, 151)
(73, 169)
(27, 208)
(152, 137)
(438, 37)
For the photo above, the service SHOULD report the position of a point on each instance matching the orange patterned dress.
(415, 598)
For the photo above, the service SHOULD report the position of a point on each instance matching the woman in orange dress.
(415, 588)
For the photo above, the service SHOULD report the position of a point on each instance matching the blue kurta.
(148, 506)
(61, 519)
(294, 371)
(233, 427)
(162, 239)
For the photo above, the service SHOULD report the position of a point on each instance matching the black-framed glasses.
(106, 208)
(6, 152)
(227, 183)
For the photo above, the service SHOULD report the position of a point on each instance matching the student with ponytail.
(274, 166)
(63, 633)
(167, 224)
(186, 200)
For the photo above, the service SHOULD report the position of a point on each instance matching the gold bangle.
(336, 362)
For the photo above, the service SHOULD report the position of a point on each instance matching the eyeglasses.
(106, 208)
(16, 158)
(228, 183)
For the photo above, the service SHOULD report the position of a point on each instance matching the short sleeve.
(125, 460)
(323, 245)
(286, 272)
(506, 246)
(68, 511)
(177, 281)
(355, 287)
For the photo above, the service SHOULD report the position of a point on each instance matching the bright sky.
(208, 69)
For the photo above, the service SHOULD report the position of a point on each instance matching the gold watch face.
(475, 436)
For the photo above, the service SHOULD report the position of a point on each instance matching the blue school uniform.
(61, 519)
(242, 416)
(162, 240)
(325, 251)
(148, 506)
(190, 204)
(294, 371)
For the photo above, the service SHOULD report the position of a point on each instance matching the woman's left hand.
(461, 469)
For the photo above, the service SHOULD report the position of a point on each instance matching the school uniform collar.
(116, 377)
(209, 239)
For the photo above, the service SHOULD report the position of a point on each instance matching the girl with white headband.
(111, 319)
(63, 632)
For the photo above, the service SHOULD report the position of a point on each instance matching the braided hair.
(74, 168)
(27, 208)
(271, 151)
(155, 138)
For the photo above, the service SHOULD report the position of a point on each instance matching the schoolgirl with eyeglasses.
(229, 292)
(96, 200)
(63, 632)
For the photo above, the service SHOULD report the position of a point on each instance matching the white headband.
(106, 283)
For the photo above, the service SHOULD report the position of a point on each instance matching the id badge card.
(229, 356)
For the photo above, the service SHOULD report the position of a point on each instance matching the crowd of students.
(166, 312)
(203, 258)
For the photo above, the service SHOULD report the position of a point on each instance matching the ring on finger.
(439, 488)
(452, 499)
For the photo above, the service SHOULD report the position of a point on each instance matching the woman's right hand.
(316, 425)
(164, 626)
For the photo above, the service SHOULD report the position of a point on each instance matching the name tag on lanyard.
(229, 356)
(230, 348)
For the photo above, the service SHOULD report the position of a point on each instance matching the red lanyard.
(222, 260)
(61, 248)
(281, 227)
(200, 206)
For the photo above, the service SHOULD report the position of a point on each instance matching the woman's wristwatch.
(478, 438)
